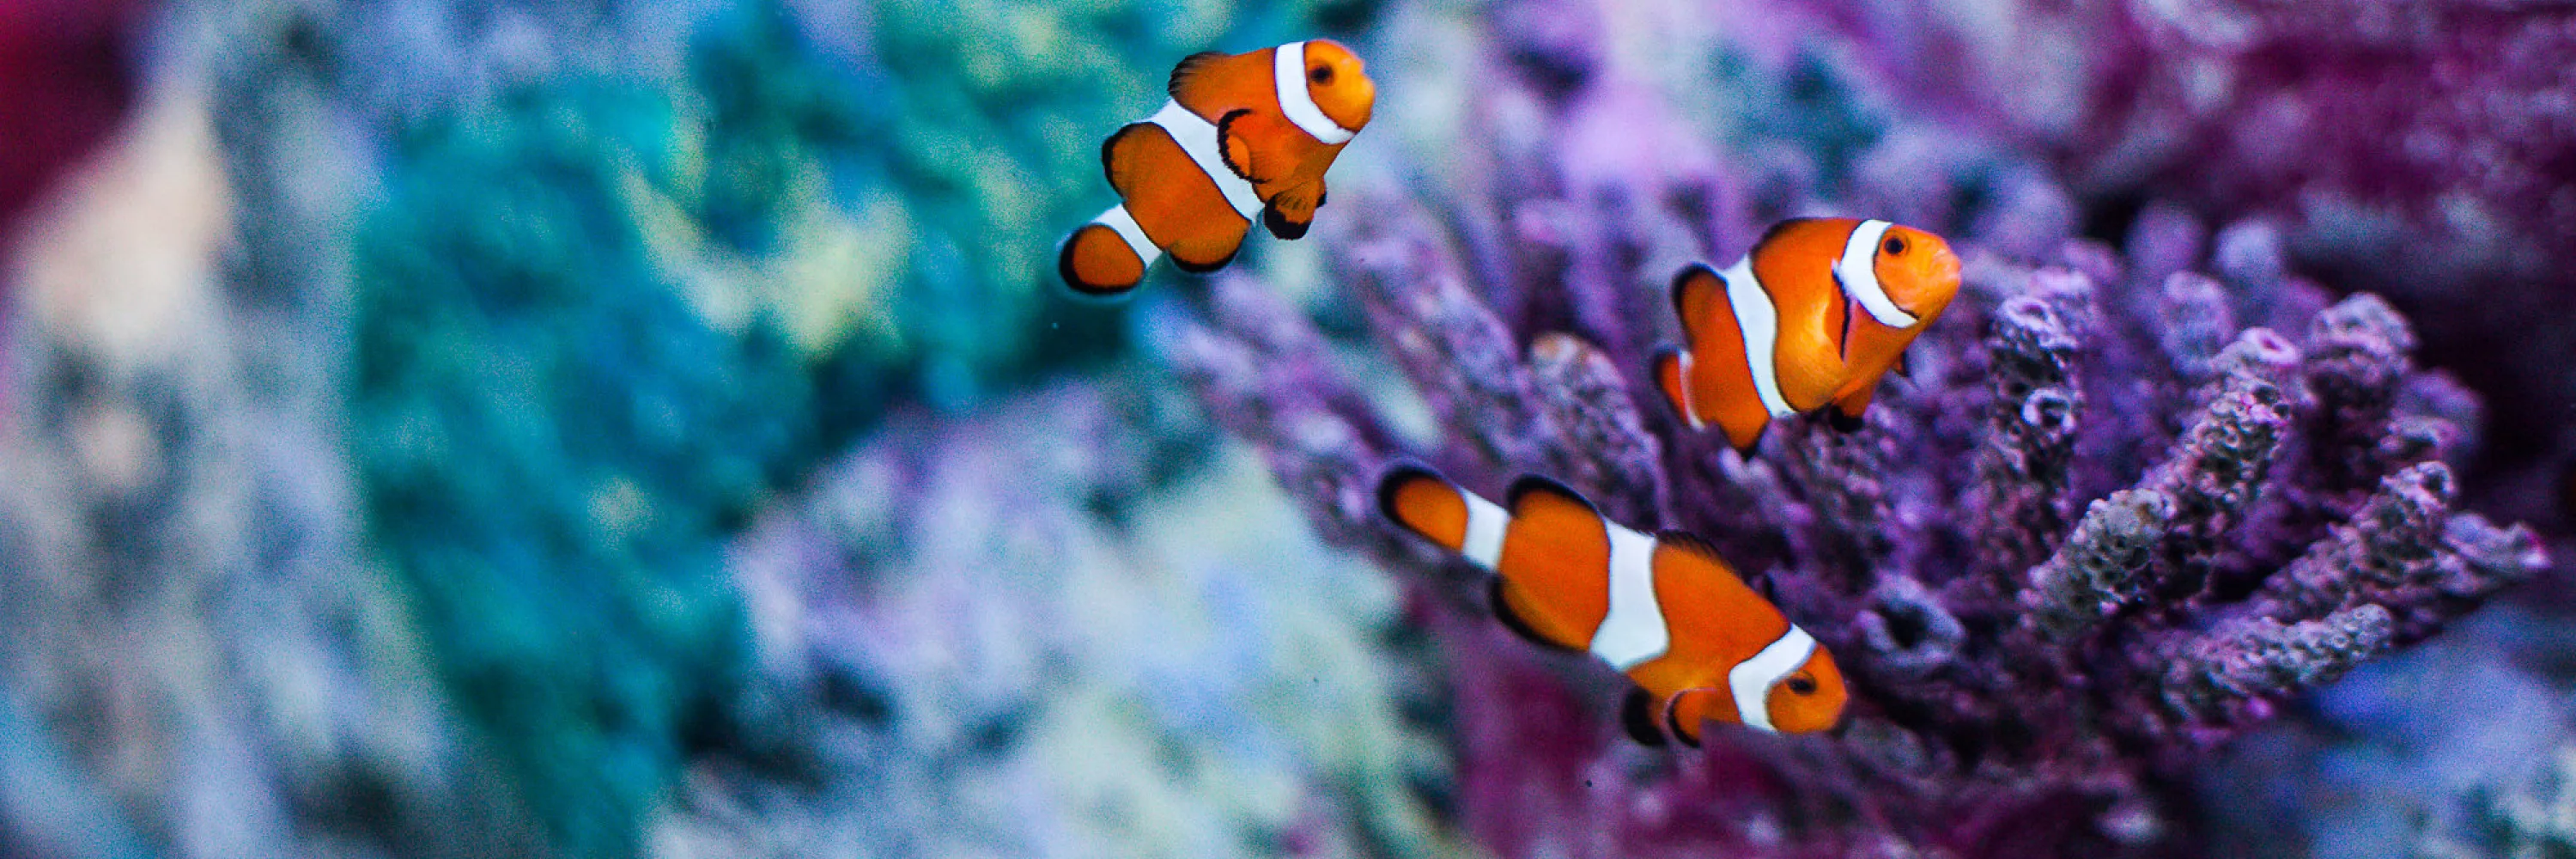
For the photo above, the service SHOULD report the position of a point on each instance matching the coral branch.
(2030, 430)
(2226, 676)
(2102, 566)
(2217, 467)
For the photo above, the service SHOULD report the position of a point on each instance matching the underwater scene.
(1315, 428)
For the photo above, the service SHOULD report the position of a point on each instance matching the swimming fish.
(1663, 609)
(1244, 136)
(1813, 315)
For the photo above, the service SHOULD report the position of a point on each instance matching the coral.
(2260, 512)
(2414, 149)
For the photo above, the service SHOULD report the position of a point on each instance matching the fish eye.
(1800, 684)
(1895, 245)
(1321, 74)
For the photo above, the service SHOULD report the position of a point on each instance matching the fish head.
(1339, 83)
(1918, 270)
(1809, 699)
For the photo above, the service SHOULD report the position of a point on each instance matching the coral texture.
(2417, 149)
(2121, 509)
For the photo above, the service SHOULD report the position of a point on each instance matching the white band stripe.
(1857, 271)
(1632, 631)
(1759, 324)
(1288, 70)
(1485, 525)
(1198, 138)
(1118, 221)
(1751, 679)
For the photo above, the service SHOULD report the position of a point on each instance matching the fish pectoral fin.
(1185, 74)
(1289, 212)
(1234, 146)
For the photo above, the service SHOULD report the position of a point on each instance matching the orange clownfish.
(1813, 315)
(1662, 609)
(1244, 135)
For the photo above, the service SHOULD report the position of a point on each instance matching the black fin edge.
(1639, 723)
(1844, 423)
(1503, 613)
(1183, 70)
(1110, 144)
(1680, 277)
(1529, 483)
(1689, 542)
(1673, 720)
(1279, 225)
(1394, 476)
(1186, 265)
(1225, 129)
(1064, 271)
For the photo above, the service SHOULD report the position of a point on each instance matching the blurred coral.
(1113, 643)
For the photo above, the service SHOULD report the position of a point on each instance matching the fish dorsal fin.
(1532, 489)
(1184, 75)
(1693, 288)
(1775, 230)
(1692, 543)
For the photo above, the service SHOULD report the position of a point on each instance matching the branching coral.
(2101, 526)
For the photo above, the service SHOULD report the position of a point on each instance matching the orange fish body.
(1244, 136)
(1813, 315)
(1662, 609)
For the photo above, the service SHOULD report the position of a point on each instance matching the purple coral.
(2102, 526)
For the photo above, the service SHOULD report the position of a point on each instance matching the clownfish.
(1662, 609)
(1244, 136)
(1814, 314)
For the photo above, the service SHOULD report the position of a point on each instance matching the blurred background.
(653, 427)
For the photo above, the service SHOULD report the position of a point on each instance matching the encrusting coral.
(2119, 511)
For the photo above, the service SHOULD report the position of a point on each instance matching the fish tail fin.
(1672, 376)
(1107, 257)
(1425, 503)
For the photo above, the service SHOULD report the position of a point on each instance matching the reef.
(2129, 500)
